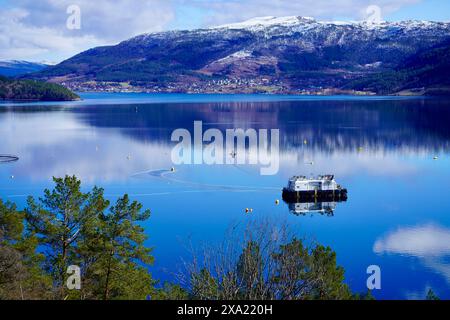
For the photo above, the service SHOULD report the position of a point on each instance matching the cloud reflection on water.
(422, 241)
(429, 243)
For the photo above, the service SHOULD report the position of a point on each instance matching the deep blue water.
(392, 154)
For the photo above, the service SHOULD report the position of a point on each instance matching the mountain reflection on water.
(391, 154)
(309, 131)
(330, 126)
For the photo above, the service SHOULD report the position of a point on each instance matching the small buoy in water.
(251, 210)
(436, 158)
(12, 177)
(172, 169)
(277, 202)
(305, 141)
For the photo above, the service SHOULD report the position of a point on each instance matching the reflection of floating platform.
(323, 208)
(320, 189)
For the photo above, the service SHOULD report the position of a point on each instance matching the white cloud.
(34, 30)
(422, 241)
(103, 19)
(21, 42)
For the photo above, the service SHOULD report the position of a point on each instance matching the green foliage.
(309, 274)
(11, 223)
(57, 221)
(324, 276)
(34, 90)
(121, 256)
(289, 272)
(20, 274)
(170, 291)
(205, 286)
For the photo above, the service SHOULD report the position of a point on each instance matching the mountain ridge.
(12, 68)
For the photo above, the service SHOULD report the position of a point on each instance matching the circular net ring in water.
(8, 158)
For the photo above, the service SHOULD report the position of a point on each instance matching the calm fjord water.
(392, 154)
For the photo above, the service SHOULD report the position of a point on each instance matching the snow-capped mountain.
(269, 53)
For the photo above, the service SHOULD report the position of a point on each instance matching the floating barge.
(320, 189)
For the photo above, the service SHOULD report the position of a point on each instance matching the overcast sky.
(37, 30)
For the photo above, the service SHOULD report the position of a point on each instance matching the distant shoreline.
(289, 92)
(107, 98)
(293, 94)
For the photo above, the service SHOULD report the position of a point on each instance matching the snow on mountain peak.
(266, 22)
(270, 21)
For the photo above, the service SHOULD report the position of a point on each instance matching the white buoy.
(12, 177)
(172, 169)
(436, 158)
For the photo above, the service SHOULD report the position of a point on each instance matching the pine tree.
(21, 276)
(120, 271)
(108, 247)
(58, 221)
